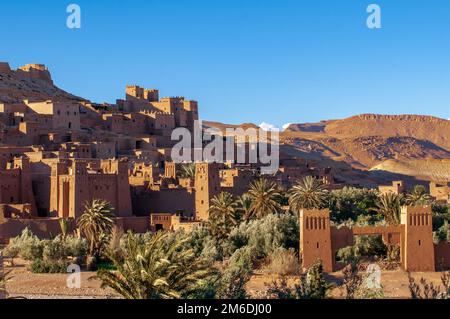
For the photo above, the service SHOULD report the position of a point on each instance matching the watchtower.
(207, 185)
(170, 170)
(418, 246)
(315, 238)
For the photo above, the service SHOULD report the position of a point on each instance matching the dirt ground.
(394, 283)
(23, 283)
(54, 286)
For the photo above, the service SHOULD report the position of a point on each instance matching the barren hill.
(362, 142)
(32, 82)
(437, 170)
(367, 140)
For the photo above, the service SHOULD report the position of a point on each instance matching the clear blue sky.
(244, 61)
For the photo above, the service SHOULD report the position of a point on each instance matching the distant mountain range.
(369, 149)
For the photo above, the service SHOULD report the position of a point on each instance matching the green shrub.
(267, 234)
(232, 283)
(442, 234)
(365, 246)
(11, 251)
(49, 266)
(29, 245)
(48, 255)
(351, 203)
(54, 250)
(76, 247)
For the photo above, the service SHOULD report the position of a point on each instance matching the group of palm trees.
(389, 204)
(265, 197)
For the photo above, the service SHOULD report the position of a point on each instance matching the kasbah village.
(80, 180)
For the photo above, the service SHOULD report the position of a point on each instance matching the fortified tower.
(315, 238)
(207, 185)
(170, 170)
(418, 248)
(123, 197)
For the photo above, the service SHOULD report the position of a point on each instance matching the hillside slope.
(438, 170)
(32, 82)
(367, 140)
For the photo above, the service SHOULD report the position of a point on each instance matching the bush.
(311, 285)
(267, 234)
(365, 246)
(243, 258)
(232, 284)
(283, 262)
(76, 247)
(29, 245)
(11, 251)
(51, 256)
(49, 266)
(54, 250)
(351, 203)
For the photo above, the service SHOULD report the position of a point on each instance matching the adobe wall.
(440, 191)
(35, 71)
(414, 235)
(162, 220)
(15, 210)
(5, 68)
(442, 255)
(138, 225)
(46, 228)
(42, 227)
(340, 238)
(163, 201)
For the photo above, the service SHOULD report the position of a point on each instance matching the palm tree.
(96, 224)
(309, 193)
(418, 197)
(264, 195)
(187, 171)
(389, 205)
(244, 204)
(159, 269)
(223, 210)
